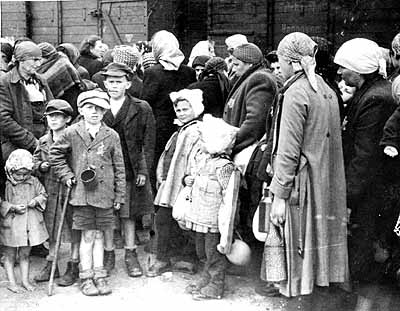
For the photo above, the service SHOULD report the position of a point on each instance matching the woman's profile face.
(97, 49)
(286, 68)
(184, 111)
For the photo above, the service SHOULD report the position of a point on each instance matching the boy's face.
(21, 174)
(92, 114)
(184, 111)
(116, 86)
(57, 121)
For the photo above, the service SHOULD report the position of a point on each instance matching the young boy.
(129, 118)
(90, 146)
(58, 114)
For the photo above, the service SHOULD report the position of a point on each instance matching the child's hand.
(188, 180)
(117, 206)
(19, 209)
(70, 182)
(391, 151)
(44, 167)
(32, 203)
(140, 180)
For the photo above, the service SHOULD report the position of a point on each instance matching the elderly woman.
(308, 183)
(168, 75)
(23, 97)
(362, 66)
(188, 106)
(91, 51)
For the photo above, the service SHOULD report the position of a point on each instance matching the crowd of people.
(130, 133)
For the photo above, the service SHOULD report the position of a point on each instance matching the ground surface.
(167, 292)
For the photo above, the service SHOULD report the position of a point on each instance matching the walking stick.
(58, 242)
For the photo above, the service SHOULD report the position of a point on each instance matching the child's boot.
(88, 288)
(109, 261)
(102, 286)
(44, 274)
(132, 263)
(71, 275)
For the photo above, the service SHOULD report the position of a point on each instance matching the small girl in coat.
(214, 182)
(21, 225)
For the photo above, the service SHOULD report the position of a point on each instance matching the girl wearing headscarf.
(308, 184)
(22, 224)
(168, 75)
(23, 97)
(63, 78)
(362, 66)
(188, 105)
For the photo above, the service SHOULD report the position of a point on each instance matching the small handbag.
(182, 204)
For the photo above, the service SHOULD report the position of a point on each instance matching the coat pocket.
(294, 199)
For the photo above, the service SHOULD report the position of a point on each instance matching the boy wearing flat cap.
(88, 158)
(132, 119)
(58, 114)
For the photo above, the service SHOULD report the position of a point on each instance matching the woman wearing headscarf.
(308, 184)
(171, 170)
(362, 66)
(215, 86)
(91, 51)
(63, 78)
(202, 48)
(72, 52)
(168, 75)
(23, 97)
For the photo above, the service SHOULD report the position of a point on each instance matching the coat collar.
(127, 112)
(103, 133)
(15, 76)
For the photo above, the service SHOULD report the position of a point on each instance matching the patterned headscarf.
(299, 49)
(26, 50)
(48, 50)
(166, 50)
(18, 159)
(396, 44)
(127, 55)
(362, 56)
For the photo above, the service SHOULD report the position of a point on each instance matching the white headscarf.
(362, 56)
(194, 97)
(201, 48)
(232, 42)
(166, 50)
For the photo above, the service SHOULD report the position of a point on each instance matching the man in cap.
(247, 106)
(133, 120)
(90, 146)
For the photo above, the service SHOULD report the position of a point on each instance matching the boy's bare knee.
(99, 235)
(88, 235)
(23, 253)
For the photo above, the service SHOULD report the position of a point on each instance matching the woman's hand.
(19, 209)
(391, 151)
(140, 180)
(278, 211)
(32, 203)
(188, 180)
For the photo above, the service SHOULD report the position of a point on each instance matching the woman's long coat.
(309, 175)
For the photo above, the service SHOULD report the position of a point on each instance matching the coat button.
(101, 181)
(102, 167)
(327, 135)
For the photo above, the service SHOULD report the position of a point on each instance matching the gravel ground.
(167, 292)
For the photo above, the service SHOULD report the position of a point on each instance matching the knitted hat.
(96, 97)
(127, 55)
(248, 53)
(200, 60)
(47, 49)
(216, 64)
(148, 60)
